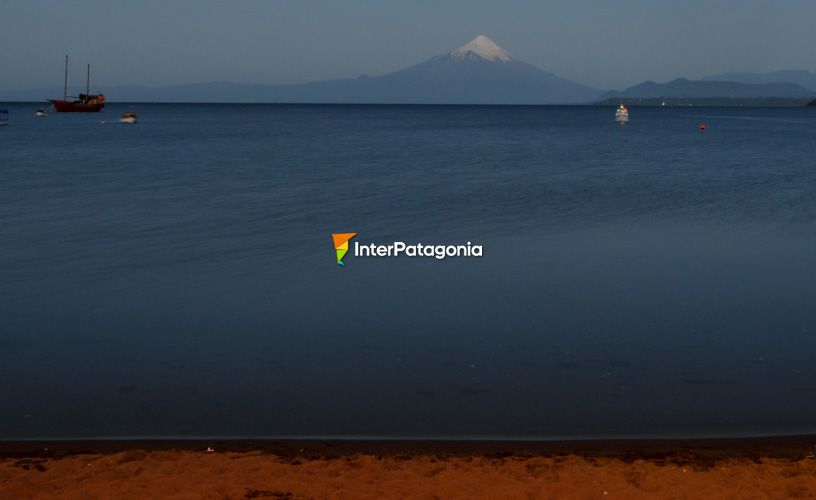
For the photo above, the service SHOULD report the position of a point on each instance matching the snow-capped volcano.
(479, 72)
(482, 48)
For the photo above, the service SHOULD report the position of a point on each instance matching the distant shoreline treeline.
(769, 102)
(722, 102)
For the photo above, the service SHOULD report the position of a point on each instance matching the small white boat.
(40, 113)
(622, 114)
(3, 117)
(128, 117)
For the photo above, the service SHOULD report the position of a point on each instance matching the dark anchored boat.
(84, 103)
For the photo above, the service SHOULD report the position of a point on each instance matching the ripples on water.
(177, 277)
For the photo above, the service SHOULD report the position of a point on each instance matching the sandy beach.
(765, 468)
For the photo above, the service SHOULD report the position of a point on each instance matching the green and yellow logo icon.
(341, 245)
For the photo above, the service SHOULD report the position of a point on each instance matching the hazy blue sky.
(603, 43)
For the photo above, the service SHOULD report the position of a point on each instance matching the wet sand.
(746, 468)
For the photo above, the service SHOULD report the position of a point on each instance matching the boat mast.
(88, 82)
(65, 86)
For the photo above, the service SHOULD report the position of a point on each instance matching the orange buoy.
(702, 126)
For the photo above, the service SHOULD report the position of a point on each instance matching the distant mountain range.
(682, 87)
(683, 92)
(479, 72)
(800, 77)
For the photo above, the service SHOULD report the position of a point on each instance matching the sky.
(601, 43)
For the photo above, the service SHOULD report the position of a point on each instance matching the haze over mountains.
(713, 92)
(682, 87)
(800, 77)
(479, 72)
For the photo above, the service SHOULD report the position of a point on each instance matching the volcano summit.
(479, 72)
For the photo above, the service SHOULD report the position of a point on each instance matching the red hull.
(76, 107)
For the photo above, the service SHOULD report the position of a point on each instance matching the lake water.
(177, 277)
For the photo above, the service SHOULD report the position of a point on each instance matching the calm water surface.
(177, 277)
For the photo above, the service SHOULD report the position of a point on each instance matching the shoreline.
(784, 447)
(774, 467)
(677, 103)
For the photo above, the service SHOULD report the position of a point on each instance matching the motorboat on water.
(128, 117)
(622, 114)
(3, 117)
(84, 103)
(40, 113)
